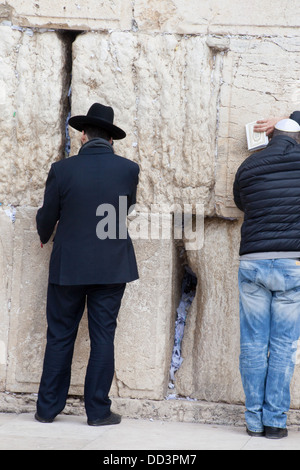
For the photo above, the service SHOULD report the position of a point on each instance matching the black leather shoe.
(275, 433)
(42, 420)
(255, 433)
(113, 418)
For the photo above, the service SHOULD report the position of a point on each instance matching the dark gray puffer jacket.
(267, 190)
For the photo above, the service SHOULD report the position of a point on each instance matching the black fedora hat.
(99, 116)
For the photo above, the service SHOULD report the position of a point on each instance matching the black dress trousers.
(65, 307)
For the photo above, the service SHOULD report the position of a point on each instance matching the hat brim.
(80, 122)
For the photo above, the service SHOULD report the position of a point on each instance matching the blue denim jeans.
(269, 331)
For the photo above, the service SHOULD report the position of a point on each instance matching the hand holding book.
(266, 125)
(258, 132)
(255, 140)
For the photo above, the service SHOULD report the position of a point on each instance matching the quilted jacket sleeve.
(295, 116)
(236, 193)
(48, 215)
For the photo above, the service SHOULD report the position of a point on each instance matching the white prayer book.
(255, 140)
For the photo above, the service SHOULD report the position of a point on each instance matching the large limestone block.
(210, 369)
(28, 326)
(68, 14)
(31, 112)
(6, 229)
(144, 338)
(27, 330)
(172, 16)
(102, 71)
(144, 335)
(260, 79)
(210, 349)
(163, 92)
(216, 17)
(295, 384)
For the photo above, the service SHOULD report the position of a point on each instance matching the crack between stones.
(187, 296)
(68, 37)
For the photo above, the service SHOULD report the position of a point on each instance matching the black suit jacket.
(83, 195)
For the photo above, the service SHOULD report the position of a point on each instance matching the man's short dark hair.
(93, 132)
(293, 135)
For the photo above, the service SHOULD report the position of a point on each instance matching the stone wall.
(184, 78)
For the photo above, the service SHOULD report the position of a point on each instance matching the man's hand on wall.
(267, 125)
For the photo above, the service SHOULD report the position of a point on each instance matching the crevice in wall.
(219, 46)
(187, 295)
(134, 25)
(68, 37)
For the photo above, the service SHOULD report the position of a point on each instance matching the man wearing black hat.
(92, 260)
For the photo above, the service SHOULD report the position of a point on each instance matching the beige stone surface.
(31, 112)
(144, 338)
(68, 14)
(210, 369)
(259, 80)
(171, 16)
(5, 288)
(144, 335)
(27, 330)
(217, 17)
(210, 349)
(295, 385)
(162, 91)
